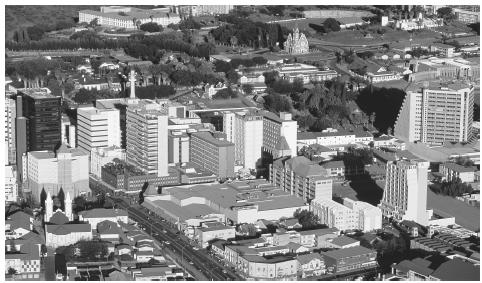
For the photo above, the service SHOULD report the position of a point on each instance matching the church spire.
(49, 207)
(68, 207)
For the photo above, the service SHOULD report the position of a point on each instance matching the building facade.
(405, 193)
(436, 113)
(279, 134)
(296, 43)
(334, 214)
(98, 128)
(100, 156)
(10, 114)
(301, 177)
(11, 187)
(147, 137)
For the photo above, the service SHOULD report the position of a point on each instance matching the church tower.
(68, 207)
(49, 207)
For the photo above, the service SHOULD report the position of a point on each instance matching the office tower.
(43, 114)
(100, 156)
(98, 128)
(405, 194)
(10, 115)
(301, 177)
(67, 168)
(436, 113)
(213, 153)
(245, 130)
(147, 137)
(279, 134)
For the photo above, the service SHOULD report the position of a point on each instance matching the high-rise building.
(213, 153)
(280, 134)
(405, 193)
(98, 128)
(147, 137)
(245, 130)
(301, 177)
(334, 214)
(436, 113)
(42, 110)
(10, 115)
(67, 168)
(69, 135)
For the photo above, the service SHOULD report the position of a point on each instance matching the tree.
(61, 197)
(464, 161)
(232, 76)
(92, 250)
(43, 250)
(11, 271)
(306, 218)
(188, 24)
(225, 94)
(79, 204)
(446, 13)
(247, 89)
(331, 24)
(270, 77)
(151, 27)
(43, 197)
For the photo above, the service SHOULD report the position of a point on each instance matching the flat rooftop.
(38, 93)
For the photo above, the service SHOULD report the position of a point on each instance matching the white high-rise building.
(100, 156)
(98, 128)
(10, 114)
(405, 194)
(436, 113)
(68, 131)
(147, 137)
(245, 130)
(280, 134)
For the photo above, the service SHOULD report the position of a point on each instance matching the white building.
(10, 114)
(369, 216)
(147, 137)
(211, 231)
(11, 188)
(278, 130)
(436, 113)
(405, 193)
(335, 214)
(305, 73)
(245, 130)
(128, 17)
(67, 168)
(68, 132)
(98, 128)
(97, 215)
(100, 156)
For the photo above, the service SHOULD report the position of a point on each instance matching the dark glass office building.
(43, 113)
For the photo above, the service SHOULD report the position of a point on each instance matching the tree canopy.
(151, 27)
(306, 218)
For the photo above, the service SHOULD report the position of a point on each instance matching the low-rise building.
(97, 215)
(350, 259)
(311, 264)
(210, 231)
(451, 171)
(100, 156)
(11, 187)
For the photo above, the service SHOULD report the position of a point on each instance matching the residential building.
(42, 111)
(279, 134)
(212, 152)
(232, 203)
(245, 130)
(350, 259)
(66, 168)
(444, 50)
(467, 16)
(204, 10)
(26, 261)
(418, 23)
(100, 156)
(98, 128)
(405, 192)
(18, 224)
(296, 43)
(426, 269)
(451, 171)
(334, 139)
(334, 214)
(97, 215)
(301, 177)
(10, 115)
(11, 186)
(340, 242)
(436, 113)
(443, 68)
(210, 231)
(369, 216)
(128, 17)
(147, 137)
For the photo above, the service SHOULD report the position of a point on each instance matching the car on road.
(225, 271)
(167, 242)
(195, 248)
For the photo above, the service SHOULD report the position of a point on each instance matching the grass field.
(465, 215)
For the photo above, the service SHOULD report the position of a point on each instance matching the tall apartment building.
(279, 134)
(42, 110)
(68, 132)
(405, 193)
(301, 177)
(98, 128)
(212, 153)
(10, 114)
(178, 147)
(147, 137)
(245, 130)
(100, 156)
(436, 113)
(67, 168)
